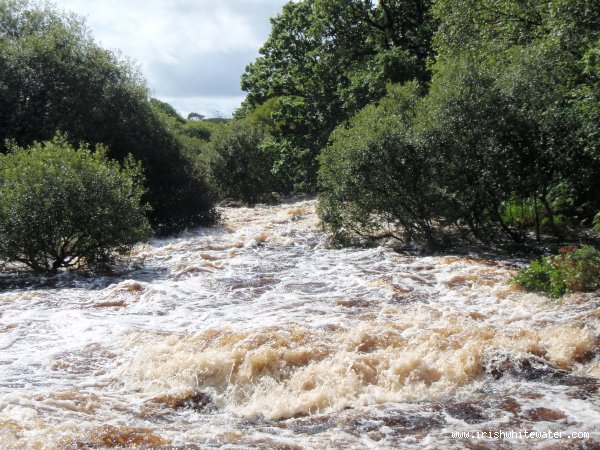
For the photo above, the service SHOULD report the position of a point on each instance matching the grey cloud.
(204, 74)
(255, 11)
(186, 48)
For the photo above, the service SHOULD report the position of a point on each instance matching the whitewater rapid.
(254, 334)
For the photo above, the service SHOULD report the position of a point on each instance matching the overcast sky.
(191, 52)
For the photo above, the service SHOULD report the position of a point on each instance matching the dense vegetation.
(432, 121)
(572, 270)
(239, 163)
(501, 124)
(62, 207)
(378, 176)
(54, 77)
(429, 120)
(323, 62)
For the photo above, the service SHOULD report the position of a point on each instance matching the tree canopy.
(54, 77)
(323, 61)
(430, 119)
(509, 117)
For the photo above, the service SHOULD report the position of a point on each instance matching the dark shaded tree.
(54, 77)
(510, 117)
(239, 165)
(378, 180)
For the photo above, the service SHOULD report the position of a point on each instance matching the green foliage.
(597, 222)
(195, 116)
(191, 134)
(62, 207)
(196, 130)
(238, 164)
(454, 121)
(537, 277)
(573, 270)
(193, 126)
(377, 177)
(295, 163)
(587, 106)
(502, 141)
(520, 213)
(491, 27)
(501, 105)
(54, 77)
(165, 109)
(323, 62)
(528, 213)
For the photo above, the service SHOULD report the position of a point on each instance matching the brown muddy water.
(255, 335)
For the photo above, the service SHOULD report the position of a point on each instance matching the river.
(254, 334)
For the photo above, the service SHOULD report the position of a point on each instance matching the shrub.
(62, 207)
(377, 178)
(573, 270)
(238, 165)
(53, 76)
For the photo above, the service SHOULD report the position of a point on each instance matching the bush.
(62, 207)
(53, 76)
(377, 178)
(573, 270)
(238, 165)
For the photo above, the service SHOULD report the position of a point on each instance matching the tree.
(511, 104)
(484, 145)
(54, 77)
(191, 135)
(238, 164)
(510, 117)
(324, 61)
(64, 208)
(195, 116)
(587, 106)
(378, 178)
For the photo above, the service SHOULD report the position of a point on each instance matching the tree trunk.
(555, 230)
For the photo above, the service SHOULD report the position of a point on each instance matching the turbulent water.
(255, 335)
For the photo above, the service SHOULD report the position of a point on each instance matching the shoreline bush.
(238, 165)
(572, 270)
(55, 77)
(67, 208)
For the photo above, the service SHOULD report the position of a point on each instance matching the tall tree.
(53, 76)
(510, 117)
(325, 60)
(536, 55)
